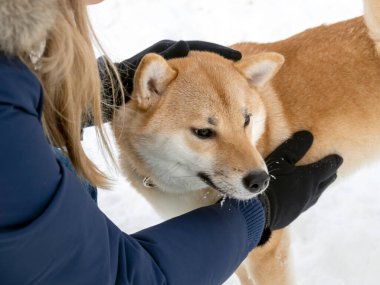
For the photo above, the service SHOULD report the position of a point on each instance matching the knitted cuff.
(263, 198)
(265, 237)
(253, 213)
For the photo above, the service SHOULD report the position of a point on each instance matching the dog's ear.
(152, 77)
(260, 68)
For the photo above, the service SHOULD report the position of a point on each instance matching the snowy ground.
(335, 243)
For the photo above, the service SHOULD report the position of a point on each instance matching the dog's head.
(194, 122)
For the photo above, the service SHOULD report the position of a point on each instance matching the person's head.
(54, 38)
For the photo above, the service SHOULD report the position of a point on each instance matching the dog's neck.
(141, 177)
(276, 127)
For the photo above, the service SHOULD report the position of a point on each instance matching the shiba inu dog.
(197, 128)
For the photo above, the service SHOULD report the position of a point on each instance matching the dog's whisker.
(270, 164)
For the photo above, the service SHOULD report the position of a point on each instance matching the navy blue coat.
(52, 232)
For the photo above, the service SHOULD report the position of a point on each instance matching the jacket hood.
(24, 24)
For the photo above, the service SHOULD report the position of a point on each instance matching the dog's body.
(329, 84)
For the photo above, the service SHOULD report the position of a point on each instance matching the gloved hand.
(166, 48)
(294, 189)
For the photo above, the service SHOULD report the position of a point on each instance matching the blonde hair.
(68, 71)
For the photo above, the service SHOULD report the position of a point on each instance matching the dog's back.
(329, 84)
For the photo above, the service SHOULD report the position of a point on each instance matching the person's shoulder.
(12, 68)
(11, 63)
(18, 84)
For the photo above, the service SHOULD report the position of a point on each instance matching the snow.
(335, 243)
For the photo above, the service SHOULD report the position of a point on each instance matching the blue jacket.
(52, 232)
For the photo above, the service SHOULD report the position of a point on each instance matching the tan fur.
(193, 110)
(24, 24)
(269, 264)
(329, 84)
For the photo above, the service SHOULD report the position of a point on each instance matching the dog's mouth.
(206, 179)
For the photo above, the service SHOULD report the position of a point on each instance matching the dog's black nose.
(256, 181)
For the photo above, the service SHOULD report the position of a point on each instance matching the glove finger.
(226, 52)
(311, 203)
(322, 187)
(293, 149)
(325, 184)
(179, 49)
(326, 167)
(162, 45)
(158, 47)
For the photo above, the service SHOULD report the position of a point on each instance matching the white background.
(335, 243)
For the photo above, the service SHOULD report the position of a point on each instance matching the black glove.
(167, 49)
(294, 189)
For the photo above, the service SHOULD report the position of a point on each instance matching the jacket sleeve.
(51, 231)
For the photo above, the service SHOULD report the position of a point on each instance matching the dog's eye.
(247, 119)
(203, 133)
